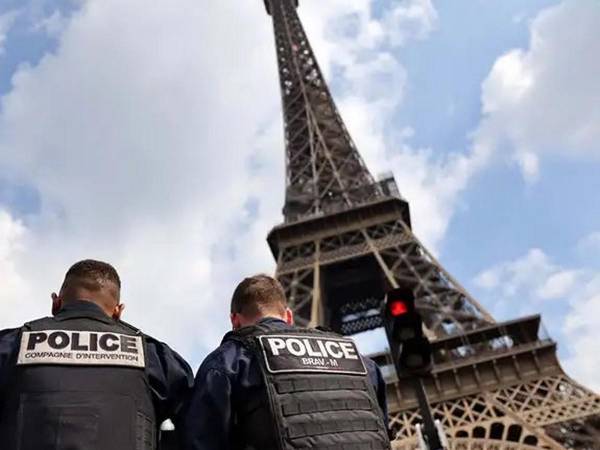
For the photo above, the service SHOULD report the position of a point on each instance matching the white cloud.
(558, 285)
(519, 285)
(150, 130)
(412, 19)
(6, 22)
(53, 24)
(581, 330)
(539, 100)
(138, 132)
(522, 274)
(150, 134)
(488, 279)
(545, 99)
(12, 237)
(372, 87)
(533, 274)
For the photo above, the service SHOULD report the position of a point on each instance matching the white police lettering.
(297, 347)
(311, 354)
(349, 350)
(333, 349)
(276, 345)
(81, 348)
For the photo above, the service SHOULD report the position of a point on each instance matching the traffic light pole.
(412, 356)
(433, 438)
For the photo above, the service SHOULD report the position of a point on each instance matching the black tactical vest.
(79, 383)
(317, 394)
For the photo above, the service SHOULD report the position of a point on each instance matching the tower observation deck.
(347, 238)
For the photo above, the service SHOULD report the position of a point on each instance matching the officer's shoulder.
(371, 365)
(10, 334)
(224, 354)
(161, 346)
(40, 322)
(369, 362)
(161, 354)
(130, 327)
(150, 340)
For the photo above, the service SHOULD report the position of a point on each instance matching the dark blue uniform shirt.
(169, 375)
(227, 376)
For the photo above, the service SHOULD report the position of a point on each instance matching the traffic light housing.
(410, 348)
(401, 316)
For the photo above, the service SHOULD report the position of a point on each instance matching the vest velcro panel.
(63, 399)
(330, 408)
(316, 383)
(320, 412)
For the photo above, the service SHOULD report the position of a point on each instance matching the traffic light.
(404, 327)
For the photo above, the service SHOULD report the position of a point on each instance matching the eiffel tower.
(347, 238)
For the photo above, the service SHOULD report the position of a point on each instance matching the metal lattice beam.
(446, 306)
(534, 414)
(324, 169)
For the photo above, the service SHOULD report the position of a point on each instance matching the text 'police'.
(80, 347)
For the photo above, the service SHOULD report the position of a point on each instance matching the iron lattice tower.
(347, 238)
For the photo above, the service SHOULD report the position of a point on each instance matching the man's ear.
(57, 303)
(289, 316)
(118, 311)
(235, 321)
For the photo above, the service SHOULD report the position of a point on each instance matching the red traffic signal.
(401, 319)
(397, 308)
(400, 302)
(410, 349)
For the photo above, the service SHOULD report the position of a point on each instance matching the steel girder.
(324, 169)
(551, 413)
(446, 306)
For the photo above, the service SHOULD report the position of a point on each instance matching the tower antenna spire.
(325, 172)
(268, 5)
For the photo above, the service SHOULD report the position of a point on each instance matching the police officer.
(83, 379)
(273, 386)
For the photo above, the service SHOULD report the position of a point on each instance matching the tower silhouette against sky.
(347, 239)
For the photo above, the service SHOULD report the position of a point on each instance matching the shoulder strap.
(39, 323)
(139, 332)
(245, 334)
(129, 326)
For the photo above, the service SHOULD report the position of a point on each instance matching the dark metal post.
(433, 439)
(168, 441)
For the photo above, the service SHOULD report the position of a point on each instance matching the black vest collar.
(263, 325)
(82, 309)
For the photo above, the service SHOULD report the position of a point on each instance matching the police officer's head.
(92, 281)
(258, 297)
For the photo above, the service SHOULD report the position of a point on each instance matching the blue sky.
(501, 216)
(446, 69)
(149, 136)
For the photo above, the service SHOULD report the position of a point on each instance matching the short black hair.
(91, 275)
(258, 295)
